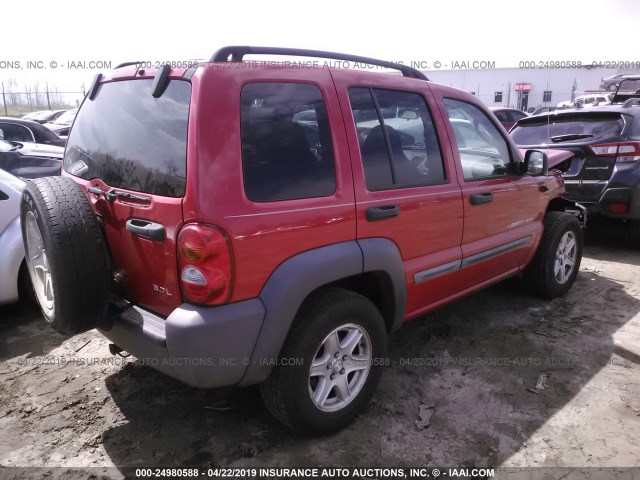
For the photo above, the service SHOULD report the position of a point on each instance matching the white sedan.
(13, 273)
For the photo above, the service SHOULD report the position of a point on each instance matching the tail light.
(624, 151)
(204, 259)
(619, 207)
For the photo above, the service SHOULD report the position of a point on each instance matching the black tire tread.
(76, 251)
(275, 389)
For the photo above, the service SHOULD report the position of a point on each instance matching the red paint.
(437, 224)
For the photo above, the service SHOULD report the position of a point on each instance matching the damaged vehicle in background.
(20, 130)
(604, 174)
(30, 160)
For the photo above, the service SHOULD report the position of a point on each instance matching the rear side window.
(502, 115)
(634, 134)
(287, 152)
(398, 142)
(129, 139)
(556, 129)
(516, 115)
(15, 133)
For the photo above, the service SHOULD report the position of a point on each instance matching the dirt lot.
(588, 413)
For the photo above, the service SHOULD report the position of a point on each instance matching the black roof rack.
(236, 53)
(126, 64)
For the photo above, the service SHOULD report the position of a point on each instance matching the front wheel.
(555, 266)
(334, 355)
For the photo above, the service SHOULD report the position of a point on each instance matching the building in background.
(525, 88)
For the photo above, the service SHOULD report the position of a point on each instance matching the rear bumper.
(597, 196)
(204, 347)
(630, 196)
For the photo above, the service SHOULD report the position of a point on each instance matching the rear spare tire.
(66, 254)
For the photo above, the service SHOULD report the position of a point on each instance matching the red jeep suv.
(239, 223)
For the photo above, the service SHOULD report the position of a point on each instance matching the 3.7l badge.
(159, 289)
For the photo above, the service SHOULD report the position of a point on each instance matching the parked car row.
(58, 121)
(43, 116)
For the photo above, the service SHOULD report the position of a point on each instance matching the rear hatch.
(128, 149)
(589, 135)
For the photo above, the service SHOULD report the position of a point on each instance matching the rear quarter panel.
(264, 234)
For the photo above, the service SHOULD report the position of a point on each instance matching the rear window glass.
(131, 140)
(287, 152)
(577, 128)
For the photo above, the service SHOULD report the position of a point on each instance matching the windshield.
(42, 115)
(129, 139)
(67, 117)
(629, 87)
(551, 129)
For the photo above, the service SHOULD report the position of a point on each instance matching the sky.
(506, 32)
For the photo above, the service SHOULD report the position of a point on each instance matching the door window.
(287, 152)
(398, 142)
(483, 152)
(15, 133)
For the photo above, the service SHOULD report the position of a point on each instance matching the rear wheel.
(555, 266)
(340, 341)
(65, 254)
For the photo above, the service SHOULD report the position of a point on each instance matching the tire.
(634, 233)
(287, 392)
(66, 254)
(542, 275)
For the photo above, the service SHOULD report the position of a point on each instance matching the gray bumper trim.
(204, 347)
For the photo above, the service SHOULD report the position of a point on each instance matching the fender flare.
(294, 279)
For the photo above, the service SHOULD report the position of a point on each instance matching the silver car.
(12, 273)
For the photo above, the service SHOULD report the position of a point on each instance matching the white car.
(587, 101)
(13, 273)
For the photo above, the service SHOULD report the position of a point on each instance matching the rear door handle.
(375, 214)
(480, 198)
(146, 229)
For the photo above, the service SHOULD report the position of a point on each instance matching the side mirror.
(409, 115)
(535, 163)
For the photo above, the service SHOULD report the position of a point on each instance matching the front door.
(502, 211)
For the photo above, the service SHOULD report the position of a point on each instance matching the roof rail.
(127, 64)
(238, 52)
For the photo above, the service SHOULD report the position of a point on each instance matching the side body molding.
(297, 277)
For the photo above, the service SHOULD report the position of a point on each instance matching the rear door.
(132, 147)
(405, 184)
(502, 208)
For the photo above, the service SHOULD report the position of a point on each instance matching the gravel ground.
(502, 378)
